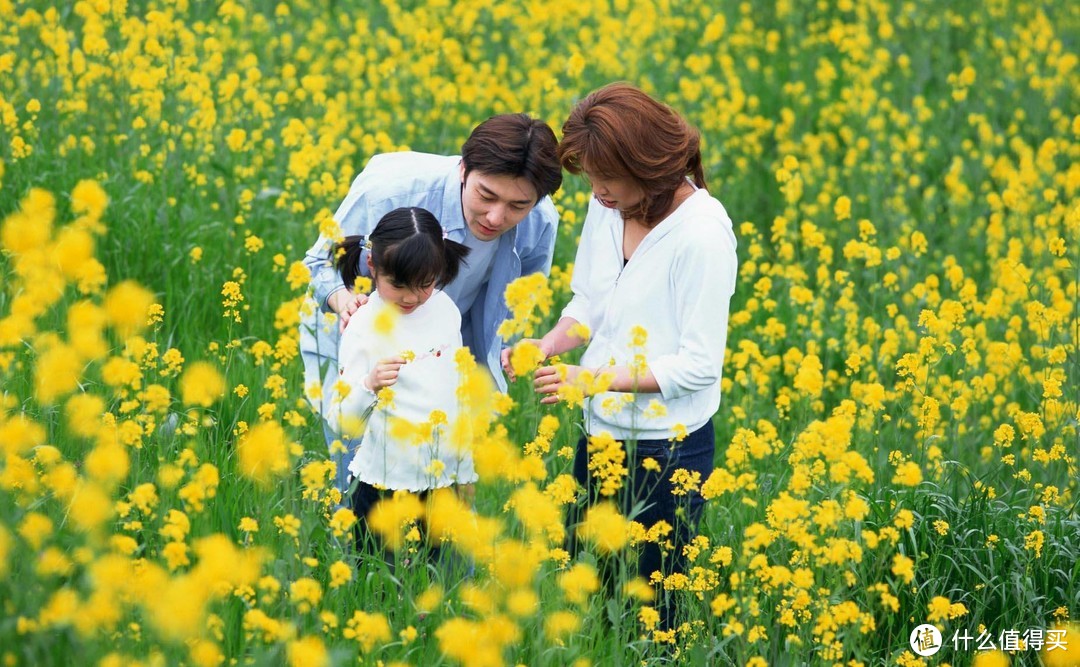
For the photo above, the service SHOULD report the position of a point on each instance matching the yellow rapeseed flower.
(514, 563)
(1034, 541)
(903, 567)
(89, 198)
(342, 521)
(430, 599)
(35, 528)
(529, 299)
(605, 527)
(908, 473)
(385, 320)
(525, 358)
(263, 453)
(842, 207)
(559, 624)
(990, 659)
(391, 515)
(305, 593)
(341, 573)
(308, 652)
(1061, 646)
(201, 384)
(56, 373)
(126, 306)
(942, 609)
(205, 653)
(73, 252)
(108, 463)
(578, 583)
(30, 228)
(367, 630)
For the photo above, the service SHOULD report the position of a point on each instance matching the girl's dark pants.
(363, 499)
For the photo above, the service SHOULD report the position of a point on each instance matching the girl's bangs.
(413, 263)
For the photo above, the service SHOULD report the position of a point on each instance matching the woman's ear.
(370, 266)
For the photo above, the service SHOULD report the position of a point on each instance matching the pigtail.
(347, 258)
(454, 254)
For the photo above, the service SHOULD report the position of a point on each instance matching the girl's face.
(406, 299)
(621, 193)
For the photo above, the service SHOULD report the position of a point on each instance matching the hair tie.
(366, 245)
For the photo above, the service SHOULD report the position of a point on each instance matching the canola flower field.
(898, 438)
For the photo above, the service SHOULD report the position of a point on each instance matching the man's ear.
(461, 171)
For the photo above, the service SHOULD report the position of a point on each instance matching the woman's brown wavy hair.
(618, 131)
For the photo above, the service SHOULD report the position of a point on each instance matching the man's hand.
(345, 303)
(385, 373)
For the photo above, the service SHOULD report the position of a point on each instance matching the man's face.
(494, 204)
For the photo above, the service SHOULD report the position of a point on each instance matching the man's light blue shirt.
(432, 182)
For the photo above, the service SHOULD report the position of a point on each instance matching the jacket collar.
(453, 217)
(670, 223)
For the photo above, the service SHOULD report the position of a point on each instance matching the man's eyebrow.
(489, 192)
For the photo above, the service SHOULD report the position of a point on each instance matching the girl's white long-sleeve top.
(429, 337)
(677, 286)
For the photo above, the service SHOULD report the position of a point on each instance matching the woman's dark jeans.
(652, 492)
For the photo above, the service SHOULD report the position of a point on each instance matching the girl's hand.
(549, 379)
(385, 373)
(345, 303)
(506, 366)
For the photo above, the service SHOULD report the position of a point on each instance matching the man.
(495, 198)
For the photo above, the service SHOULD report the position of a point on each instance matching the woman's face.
(621, 193)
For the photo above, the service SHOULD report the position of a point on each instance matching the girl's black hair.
(408, 247)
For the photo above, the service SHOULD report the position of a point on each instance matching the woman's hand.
(545, 349)
(384, 374)
(549, 379)
(345, 303)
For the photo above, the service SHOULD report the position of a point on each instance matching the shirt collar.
(453, 217)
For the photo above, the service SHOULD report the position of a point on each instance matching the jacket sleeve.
(537, 257)
(703, 278)
(354, 216)
(355, 362)
(580, 282)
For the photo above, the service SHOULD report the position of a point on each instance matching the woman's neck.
(682, 193)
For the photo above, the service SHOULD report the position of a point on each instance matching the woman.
(653, 277)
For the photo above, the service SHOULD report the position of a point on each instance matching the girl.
(653, 277)
(397, 370)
